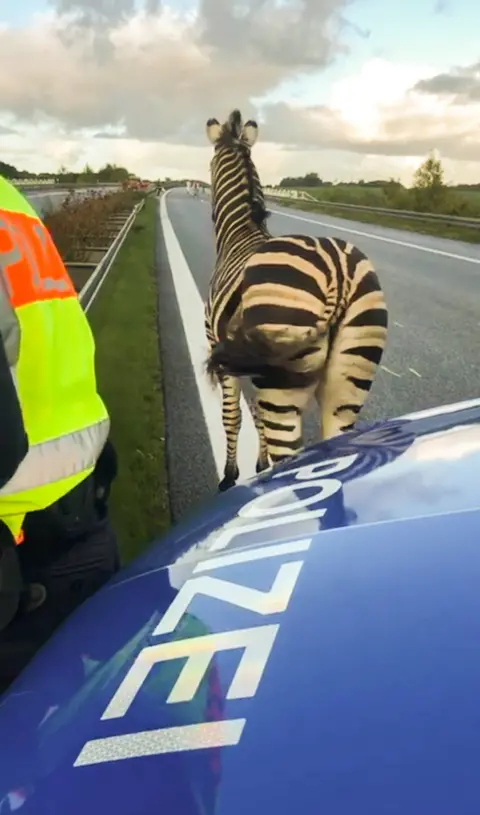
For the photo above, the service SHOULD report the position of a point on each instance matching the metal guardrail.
(33, 182)
(89, 292)
(46, 188)
(45, 183)
(453, 220)
(287, 192)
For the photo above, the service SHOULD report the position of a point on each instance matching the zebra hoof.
(229, 480)
(225, 484)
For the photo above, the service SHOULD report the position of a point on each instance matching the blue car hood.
(308, 642)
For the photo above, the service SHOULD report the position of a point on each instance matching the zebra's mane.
(230, 141)
(258, 209)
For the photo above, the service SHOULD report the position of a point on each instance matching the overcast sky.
(341, 87)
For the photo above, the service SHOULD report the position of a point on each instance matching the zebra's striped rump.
(243, 355)
(314, 324)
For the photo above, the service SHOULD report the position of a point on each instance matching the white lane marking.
(379, 237)
(399, 325)
(413, 371)
(192, 313)
(438, 411)
(388, 371)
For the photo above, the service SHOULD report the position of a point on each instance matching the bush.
(82, 220)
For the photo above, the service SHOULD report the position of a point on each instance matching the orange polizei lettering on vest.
(32, 266)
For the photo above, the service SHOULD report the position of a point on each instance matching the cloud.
(158, 73)
(379, 112)
(289, 35)
(462, 84)
(134, 83)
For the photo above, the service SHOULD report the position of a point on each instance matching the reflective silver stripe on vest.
(9, 323)
(59, 458)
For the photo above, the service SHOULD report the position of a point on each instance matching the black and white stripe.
(314, 325)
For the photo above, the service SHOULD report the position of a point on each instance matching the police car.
(309, 643)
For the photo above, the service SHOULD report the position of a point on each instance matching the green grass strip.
(124, 322)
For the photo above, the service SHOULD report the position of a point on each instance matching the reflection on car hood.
(308, 641)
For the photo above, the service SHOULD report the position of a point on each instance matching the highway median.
(84, 226)
(124, 321)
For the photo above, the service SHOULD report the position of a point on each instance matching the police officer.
(53, 424)
(14, 447)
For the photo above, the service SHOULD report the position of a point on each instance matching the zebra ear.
(213, 130)
(250, 132)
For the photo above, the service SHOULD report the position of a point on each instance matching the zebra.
(311, 322)
(239, 217)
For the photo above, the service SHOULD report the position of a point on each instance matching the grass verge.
(124, 322)
(438, 230)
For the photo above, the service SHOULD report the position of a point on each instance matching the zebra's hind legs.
(229, 479)
(263, 462)
(231, 474)
(232, 420)
(261, 465)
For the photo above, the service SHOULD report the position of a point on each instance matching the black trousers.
(70, 580)
(72, 550)
(10, 578)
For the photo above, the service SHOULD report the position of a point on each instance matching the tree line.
(428, 192)
(313, 180)
(429, 174)
(108, 173)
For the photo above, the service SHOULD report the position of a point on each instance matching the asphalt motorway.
(44, 202)
(432, 358)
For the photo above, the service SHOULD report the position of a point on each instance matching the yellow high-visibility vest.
(51, 354)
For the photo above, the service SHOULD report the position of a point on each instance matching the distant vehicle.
(193, 188)
(308, 642)
(134, 184)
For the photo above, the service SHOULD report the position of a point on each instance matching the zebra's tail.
(254, 353)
